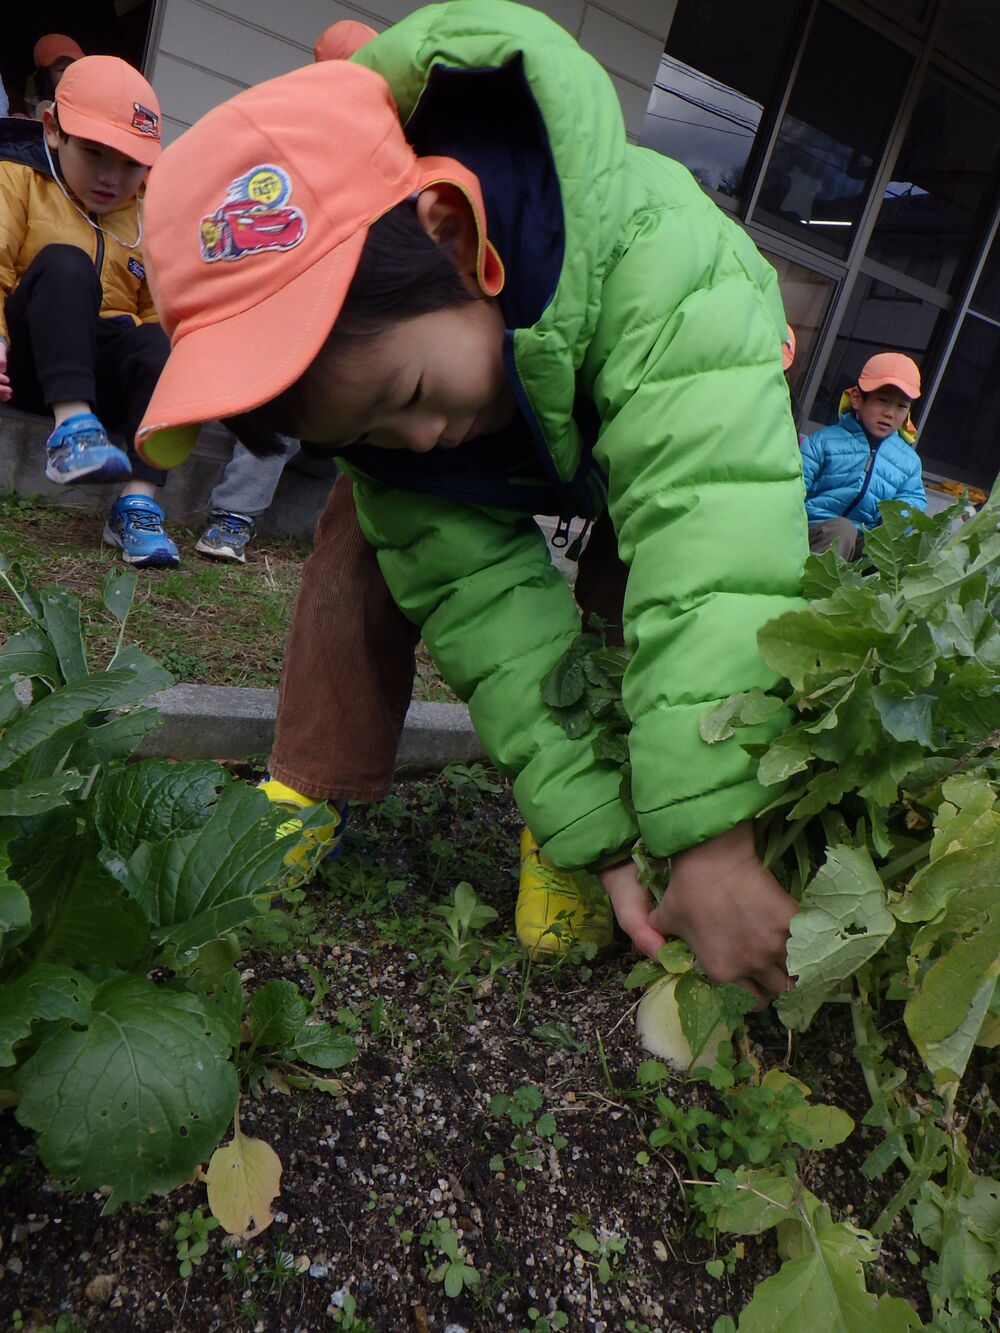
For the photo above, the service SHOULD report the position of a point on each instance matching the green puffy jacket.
(668, 321)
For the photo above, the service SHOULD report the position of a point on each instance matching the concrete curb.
(224, 722)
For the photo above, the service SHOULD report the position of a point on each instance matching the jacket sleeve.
(145, 310)
(706, 496)
(812, 459)
(912, 490)
(496, 615)
(13, 226)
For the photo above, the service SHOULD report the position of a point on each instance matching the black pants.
(62, 350)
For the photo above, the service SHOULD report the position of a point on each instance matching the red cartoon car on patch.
(240, 227)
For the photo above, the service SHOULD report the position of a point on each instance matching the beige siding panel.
(226, 45)
(299, 21)
(207, 52)
(634, 99)
(186, 92)
(652, 15)
(621, 48)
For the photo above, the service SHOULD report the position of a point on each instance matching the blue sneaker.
(225, 536)
(79, 450)
(135, 526)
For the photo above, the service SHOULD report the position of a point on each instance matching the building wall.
(202, 53)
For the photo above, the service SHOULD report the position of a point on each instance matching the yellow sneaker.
(326, 836)
(559, 908)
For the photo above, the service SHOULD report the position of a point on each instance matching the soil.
(412, 1140)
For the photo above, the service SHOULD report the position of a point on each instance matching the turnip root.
(658, 1024)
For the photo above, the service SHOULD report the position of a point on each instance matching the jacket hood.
(24, 141)
(510, 93)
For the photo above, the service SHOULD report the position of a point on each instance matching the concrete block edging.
(227, 722)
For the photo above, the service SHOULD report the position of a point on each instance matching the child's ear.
(854, 398)
(51, 129)
(447, 217)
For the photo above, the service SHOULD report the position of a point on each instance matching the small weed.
(65, 1323)
(453, 927)
(549, 1323)
(281, 1270)
(535, 1131)
(343, 1310)
(191, 1238)
(603, 1253)
(445, 1260)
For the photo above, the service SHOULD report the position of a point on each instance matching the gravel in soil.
(371, 1177)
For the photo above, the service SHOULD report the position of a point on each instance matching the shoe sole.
(110, 470)
(220, 553)
(159, 559)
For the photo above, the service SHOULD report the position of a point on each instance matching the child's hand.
(5, 389)
(632, 904)
(731, 911)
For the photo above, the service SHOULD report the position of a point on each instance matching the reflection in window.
(932, 209)
(960, 438)
(987, 294)
(971, 35)
(838, 119)
(719, 68)
(878, 319)
(806, 296)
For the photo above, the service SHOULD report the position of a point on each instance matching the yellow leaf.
(989, 1033)
(244, 1178)
(828, 1125)
(778, 1079)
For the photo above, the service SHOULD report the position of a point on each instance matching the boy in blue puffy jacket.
(867, 457)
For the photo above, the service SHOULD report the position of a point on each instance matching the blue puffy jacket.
(835, 461)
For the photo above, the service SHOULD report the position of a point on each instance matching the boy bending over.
(608, 348)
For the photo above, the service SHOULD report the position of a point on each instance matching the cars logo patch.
(145, 121)
(255, 216)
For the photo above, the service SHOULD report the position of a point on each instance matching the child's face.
(59, 68)
(881, 411)
(101, 178)
(430, 382)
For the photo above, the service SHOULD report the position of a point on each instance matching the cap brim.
(231, 366)
(139, 147)
(879, 382)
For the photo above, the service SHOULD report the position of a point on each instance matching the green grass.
(208, 623)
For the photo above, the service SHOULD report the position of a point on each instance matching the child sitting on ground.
(78, 331)
(610, 348)
(52, 56)
(865, 458)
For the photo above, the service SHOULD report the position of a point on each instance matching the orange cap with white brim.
(55, 46)
(255, 221)
(341, 39)
(106, 100)
(890, 368)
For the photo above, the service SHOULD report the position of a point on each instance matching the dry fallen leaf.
(244, 1178)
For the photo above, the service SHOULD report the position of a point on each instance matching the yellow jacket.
(34, 212)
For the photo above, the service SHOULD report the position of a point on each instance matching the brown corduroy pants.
(349, 664)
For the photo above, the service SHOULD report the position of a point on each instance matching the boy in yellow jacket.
(78, 330)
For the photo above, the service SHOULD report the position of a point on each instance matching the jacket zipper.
(866, 480)
(99, 252)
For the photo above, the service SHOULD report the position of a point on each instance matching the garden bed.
(418, 1146)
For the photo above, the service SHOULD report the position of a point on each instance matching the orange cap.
(890, 368)
(255, 220)
(55, 46)
(104, 99)
(788, 348)
(341, 39)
